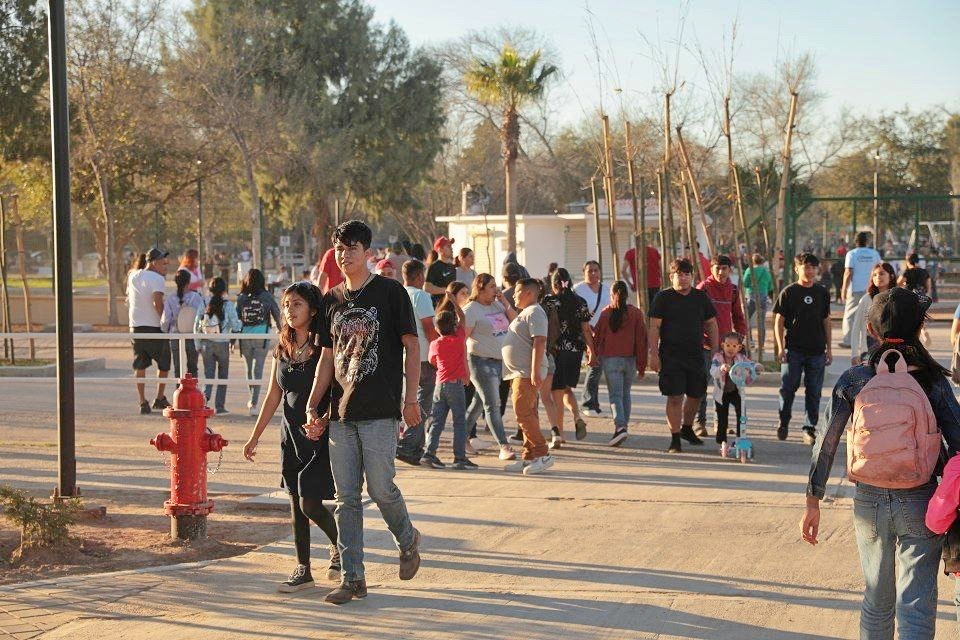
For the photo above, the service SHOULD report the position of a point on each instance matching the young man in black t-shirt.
(442, 272)
(679, 316)
(801, 327)
(368, 324)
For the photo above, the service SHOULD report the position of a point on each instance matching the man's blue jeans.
(358, 451)
(591, 388)
(620, 372)
(413, 438)
(890, 530)
(486, 375)
(812, 369)
(449, 397)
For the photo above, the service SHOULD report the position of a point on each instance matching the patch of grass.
(41, 524)
(46, 282)
(25, 362)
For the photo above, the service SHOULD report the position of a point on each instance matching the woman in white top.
(882, 278)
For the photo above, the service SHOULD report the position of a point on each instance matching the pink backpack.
(893, 441)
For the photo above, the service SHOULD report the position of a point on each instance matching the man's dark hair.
(529, 282)
(722, 260)
(353, 232)
(861, 239)
(680, 265)
(806, 259)
(446, 322)
(511, 273)
(412, 269)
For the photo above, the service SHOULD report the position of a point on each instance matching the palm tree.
(508, 82)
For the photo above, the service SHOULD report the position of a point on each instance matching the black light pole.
(63, 274)
(199, 215)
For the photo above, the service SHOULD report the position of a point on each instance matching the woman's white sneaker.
(506, 453)
(539, 465)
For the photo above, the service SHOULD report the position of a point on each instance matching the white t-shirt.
(861, 260)
(422, 309)
(595, 301)
(141, 285)
(488, 324)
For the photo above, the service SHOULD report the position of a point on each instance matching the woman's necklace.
(295, 360)
(352, 299)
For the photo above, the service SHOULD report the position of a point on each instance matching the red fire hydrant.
(188, 442)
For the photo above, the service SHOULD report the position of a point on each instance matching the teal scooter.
(742, 374)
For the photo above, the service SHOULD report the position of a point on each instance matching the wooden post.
(691, 238)
(22, 265)
(8, 348)
(596, 219)
(696, 194)
(666, 175)
(780, 227)
(663, 228)
(767, 249)
(611, 196)
(639, 228)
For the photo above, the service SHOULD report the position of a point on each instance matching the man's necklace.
(351, 300)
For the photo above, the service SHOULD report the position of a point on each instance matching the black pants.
(723, 412)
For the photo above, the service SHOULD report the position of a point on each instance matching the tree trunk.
(667, 204)
(510, 137)
(254, 195)
(639, 228)
(611, 195)
(22, 263)
(784, 185)
(109, 242)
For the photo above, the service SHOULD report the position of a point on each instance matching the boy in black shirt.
(368, 324)
(679, 316)
(801, 326)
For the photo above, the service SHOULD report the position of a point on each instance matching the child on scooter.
(725, 392)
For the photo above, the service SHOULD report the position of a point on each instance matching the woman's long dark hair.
(287, 343)
(872, 289)
(562, 283)
(906, 340)
(449, 303)
(139, 261)
(218, 288)
(618, 301)
(253, 283)
(182, 279)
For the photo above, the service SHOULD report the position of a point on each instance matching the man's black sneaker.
(430, 460)
(464, 465)
(299, 579)
(144, 408)
(674, 443)
(686, 432)
(782, 432)
(161, 403)
(618, 438)
(809, 435)
(411, 460)
(347, 591)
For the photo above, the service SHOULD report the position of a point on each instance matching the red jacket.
(629, 341)
(726, 301)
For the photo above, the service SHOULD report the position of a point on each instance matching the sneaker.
(347, 591)
(334, 568)
(506, 453)
(674, 444)
(701, 430)
(464, 465)
(686, 433)
(410, 558)
(581, 429)
(161, 403)
(470, 451)
(478, 444)
(618, 438)
(843, 345)
(782, 432)
(253, 411)
(518, 465)
(555, 441)
(430, 460)
(144, 408)
(299, 579)
(809, 435)
(516, 438)
(222, 412)
(411, 460)
(593, 411)
(539, 465)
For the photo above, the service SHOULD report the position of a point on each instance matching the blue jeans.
(254, 354)
(449, 396)
(192, 356)
(812, 368)
(412, 441)
(486, 375)
(620, 372)
(889, 525)
(591, 388)
(361, 450)
(216, 364)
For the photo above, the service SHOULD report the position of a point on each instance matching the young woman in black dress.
(305, 463)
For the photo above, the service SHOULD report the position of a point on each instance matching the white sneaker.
(538, 466)
(596, 413)
(468, 448)
(253, 411)
(514, 439)
(479, 444)
(506, 453)
(519, 465)
(555, 442)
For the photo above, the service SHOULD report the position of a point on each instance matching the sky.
(871, 56)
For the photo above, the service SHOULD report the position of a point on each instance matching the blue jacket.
(840, 407)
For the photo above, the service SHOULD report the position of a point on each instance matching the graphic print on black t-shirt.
(803, 310)
(365, 336)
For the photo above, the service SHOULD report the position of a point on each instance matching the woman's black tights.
(303, 510)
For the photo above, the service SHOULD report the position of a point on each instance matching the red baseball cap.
(442, 240)
(384, 263)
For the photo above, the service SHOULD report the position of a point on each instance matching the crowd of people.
(369, 343)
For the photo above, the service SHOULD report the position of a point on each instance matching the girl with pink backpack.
(900, 408)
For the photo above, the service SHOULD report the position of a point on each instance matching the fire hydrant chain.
(217, 468)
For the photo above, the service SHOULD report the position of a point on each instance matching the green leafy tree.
(24, 132)
(509, 82)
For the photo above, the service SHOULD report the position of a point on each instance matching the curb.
(68, 580)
